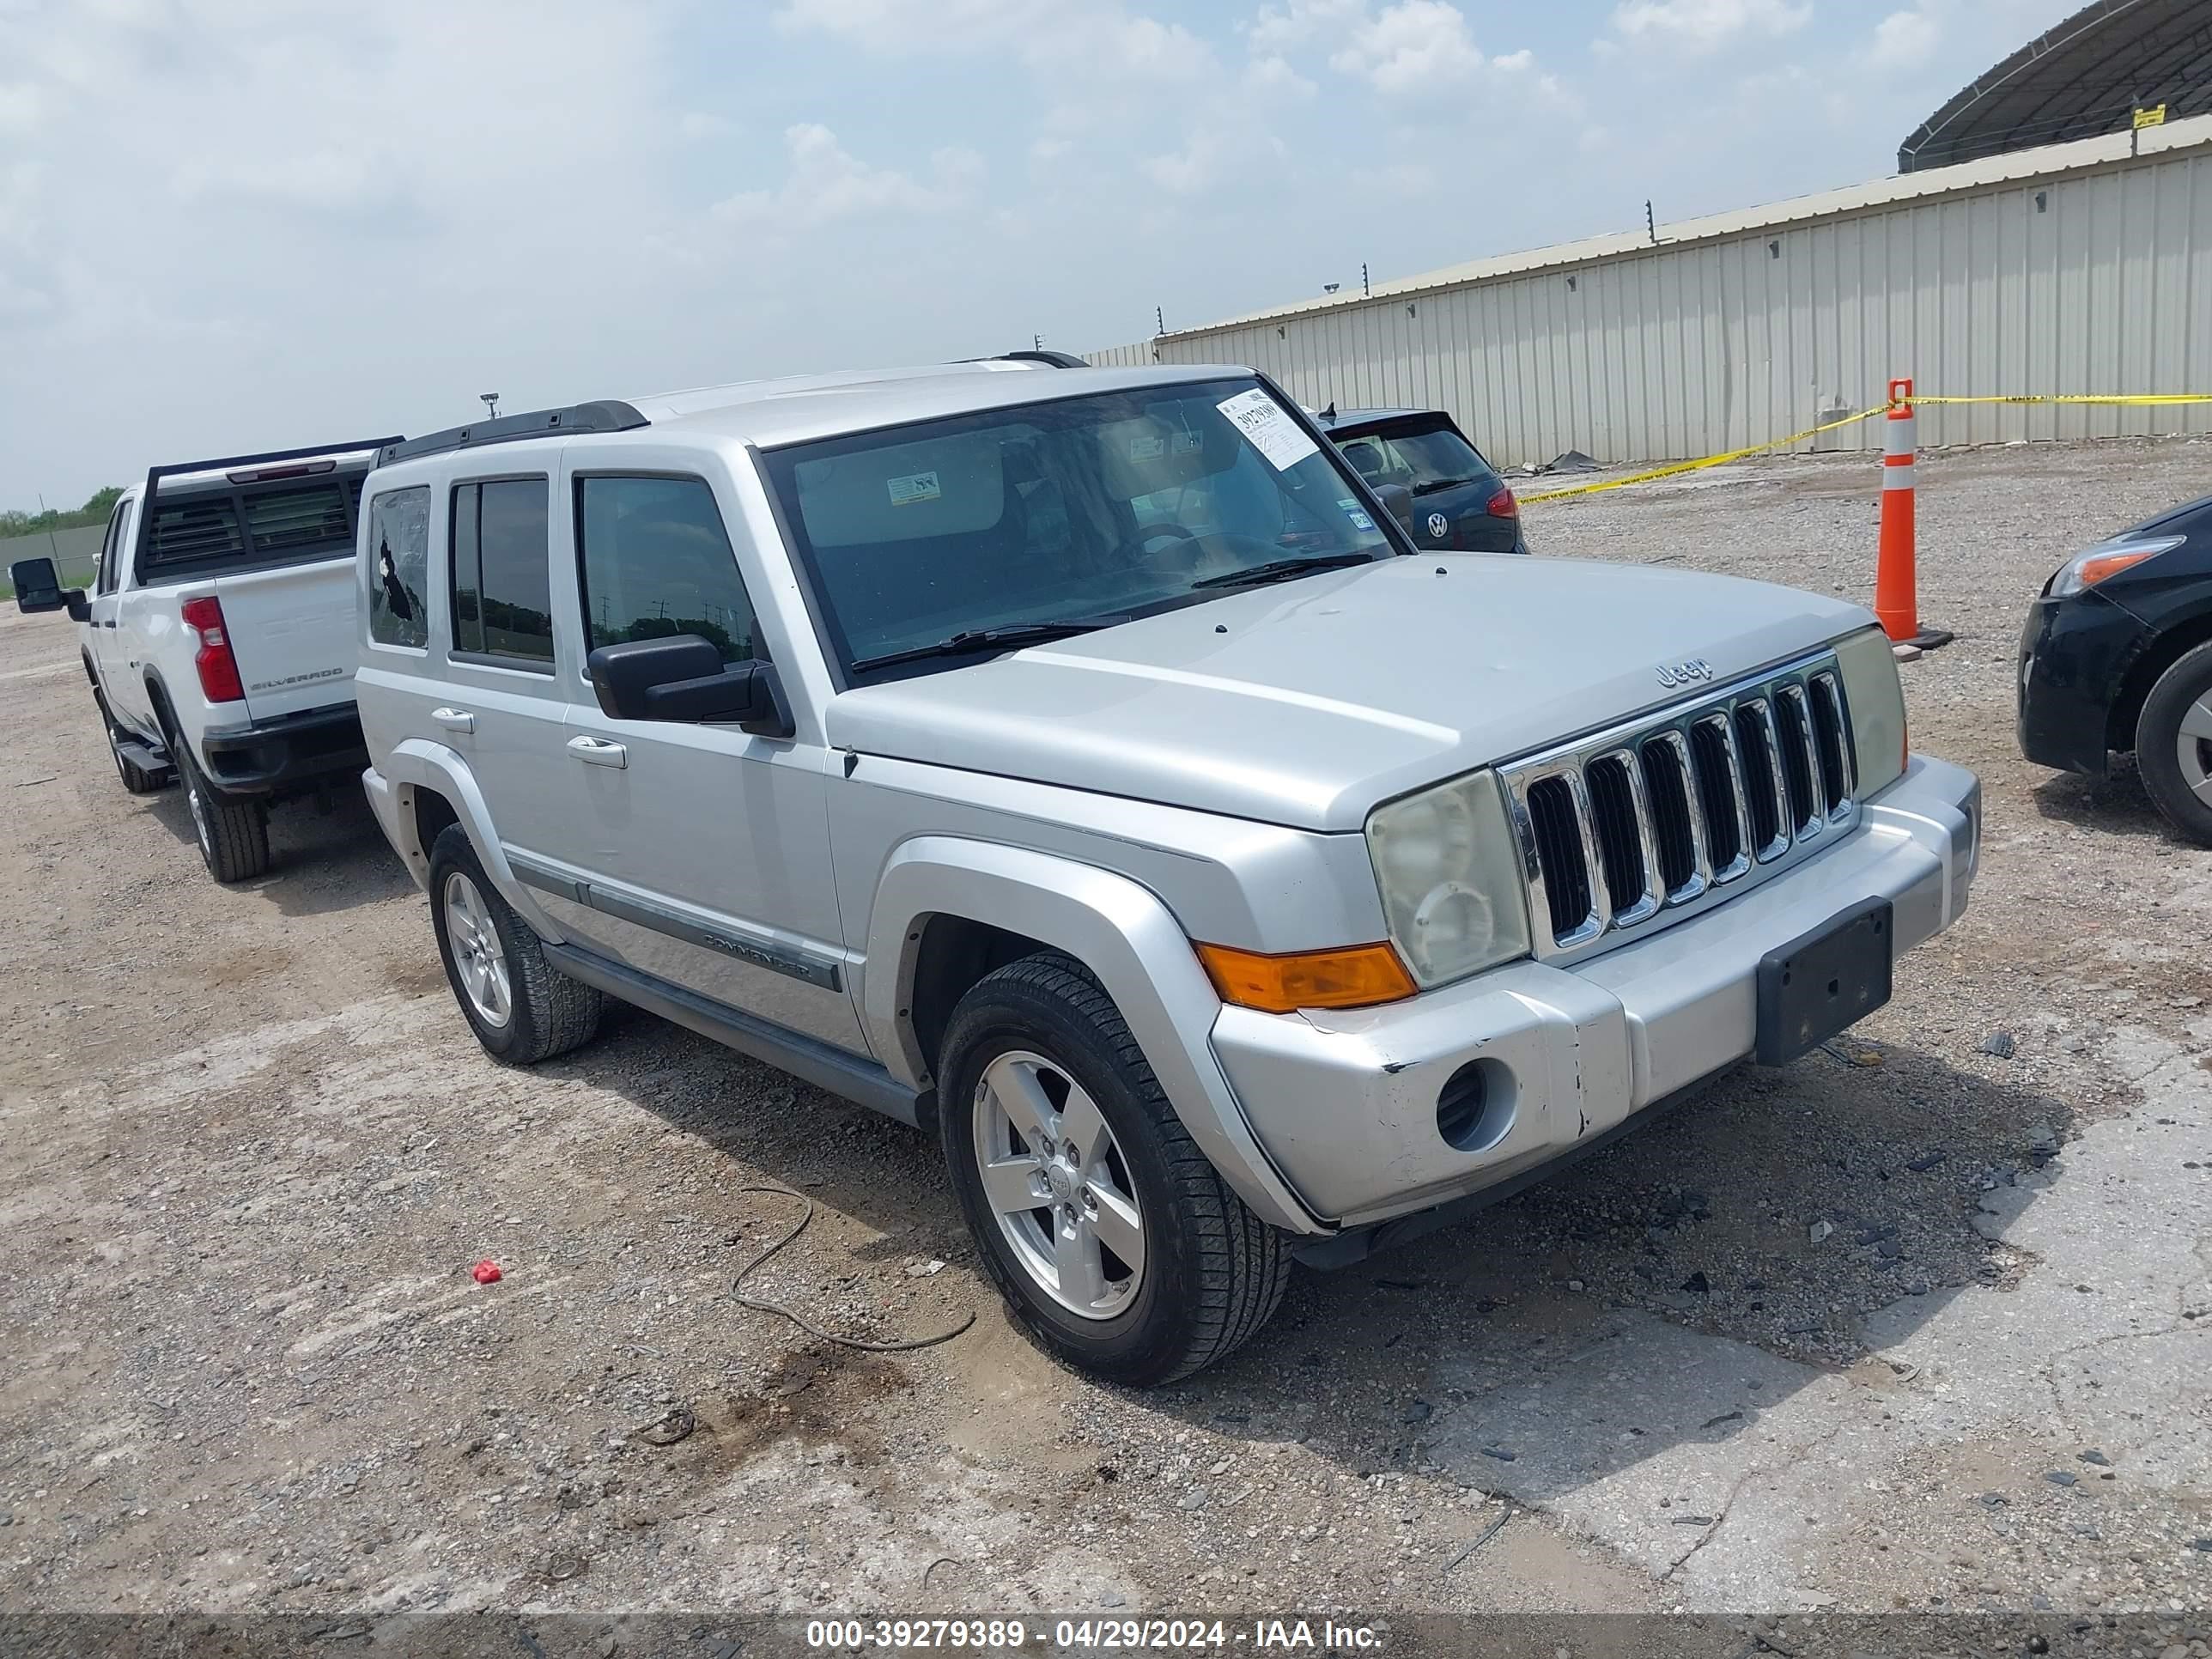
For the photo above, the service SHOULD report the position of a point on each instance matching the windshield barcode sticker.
(1271, 429)
(914, 486)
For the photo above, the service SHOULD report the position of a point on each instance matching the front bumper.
(1345, 1103)
(287, 753)
(2074, 653)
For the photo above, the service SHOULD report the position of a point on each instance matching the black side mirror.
(39, 588)
(1399, 500)
(682, 677)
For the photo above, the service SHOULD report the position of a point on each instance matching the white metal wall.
(2101, 282)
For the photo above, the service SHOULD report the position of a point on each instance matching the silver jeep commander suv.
(1083, 765)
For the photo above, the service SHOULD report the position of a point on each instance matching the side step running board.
(848, 1075)
(144, 756)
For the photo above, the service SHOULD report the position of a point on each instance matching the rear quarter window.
(399, 567)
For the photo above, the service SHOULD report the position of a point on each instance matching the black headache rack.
(605, 415)
(268, 467)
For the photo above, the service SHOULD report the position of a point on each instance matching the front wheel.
(2173, 745)
(1116, 1243)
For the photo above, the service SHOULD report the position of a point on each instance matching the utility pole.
(1159, 320)
(1650, 228)
(491, 401)
(53, 547)
(1037, 343)
(1366, 291)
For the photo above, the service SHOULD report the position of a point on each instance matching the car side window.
(502, 586)
(655, 562)
(111, 550)
(399, 567)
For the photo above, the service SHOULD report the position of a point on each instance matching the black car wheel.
(2173, 745)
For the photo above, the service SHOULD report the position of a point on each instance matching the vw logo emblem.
(1438, 525)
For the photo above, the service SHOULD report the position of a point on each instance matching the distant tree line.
(15, 522)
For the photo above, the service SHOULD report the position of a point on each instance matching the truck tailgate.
(292, 631)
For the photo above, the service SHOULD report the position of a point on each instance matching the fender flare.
(413, 763)
(1123, 934)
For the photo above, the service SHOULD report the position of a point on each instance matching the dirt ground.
(248, 1152)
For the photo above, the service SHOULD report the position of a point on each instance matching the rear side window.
(111, 550)
(656, 562)
(502, 597)
(399, 567)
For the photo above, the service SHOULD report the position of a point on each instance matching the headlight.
(2085, 570)
(1450, 878)
(1868, 667)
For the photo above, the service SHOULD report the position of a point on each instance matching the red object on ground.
(485, 1273)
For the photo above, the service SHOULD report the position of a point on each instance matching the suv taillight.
(218, 669)
(1503, 506)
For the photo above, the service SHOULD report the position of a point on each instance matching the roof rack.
(607, 414)
(1049, 359)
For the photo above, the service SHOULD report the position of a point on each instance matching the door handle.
(108, 623)
(454, 719)
(598, 751)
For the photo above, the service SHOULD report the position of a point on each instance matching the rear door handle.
(454, 719)
(108, 623)
(598, 751)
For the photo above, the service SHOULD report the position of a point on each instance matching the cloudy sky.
(236, 224)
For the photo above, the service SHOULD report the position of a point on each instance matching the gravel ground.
(248, 1152)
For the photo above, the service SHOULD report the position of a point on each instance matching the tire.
(1212, 1272)
(139, 780)
(536, 1010)
(2173, 745)
(233, 834)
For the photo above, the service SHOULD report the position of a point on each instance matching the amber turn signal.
(2094, 570)
(1356, 978)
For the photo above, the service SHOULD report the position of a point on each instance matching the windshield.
(1082, 512)
(1421, 456)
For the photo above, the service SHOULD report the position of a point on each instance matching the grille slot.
(1566, 874)
(1673, 829)
(1648, 821)
(1828, 738)
(1616, 826)
(1720, 792)
(1793, 729)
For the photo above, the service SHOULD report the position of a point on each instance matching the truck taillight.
(218, 668)
(1503, 506)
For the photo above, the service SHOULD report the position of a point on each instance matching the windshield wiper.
(1432, 485)
(1278, 570)
(984, 638)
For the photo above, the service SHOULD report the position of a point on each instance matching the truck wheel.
(1116, 1243)
(522, 1008)
(233, 834)
(2173, 745)
(139, 780)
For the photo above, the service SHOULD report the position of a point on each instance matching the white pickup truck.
(219, 637)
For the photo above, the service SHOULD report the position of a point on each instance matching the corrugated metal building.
(2080, 267)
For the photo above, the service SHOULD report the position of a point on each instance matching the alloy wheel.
(1056, 1182)
(479, 959)
(2193, 748)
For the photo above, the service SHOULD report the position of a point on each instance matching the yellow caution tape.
(2074, 397)
(1679, 467)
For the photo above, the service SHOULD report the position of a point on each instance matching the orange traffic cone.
(1896, 581)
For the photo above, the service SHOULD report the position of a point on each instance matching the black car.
(2118, 656)
(1459, 503)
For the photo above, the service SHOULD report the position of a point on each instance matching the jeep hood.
(1307, 703)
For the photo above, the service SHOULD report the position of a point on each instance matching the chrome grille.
(1650, 822)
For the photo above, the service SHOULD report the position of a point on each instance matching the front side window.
(946, 538)
(502, 585)
(656, 562)
(399, 567)
(111, 550)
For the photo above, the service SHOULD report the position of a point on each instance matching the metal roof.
(2021, 166)
(2087, 75)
